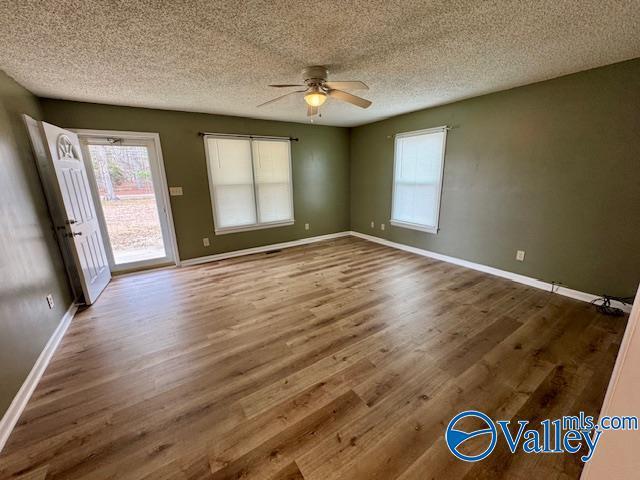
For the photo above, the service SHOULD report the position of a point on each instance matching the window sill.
(414, 226)
(248, 228)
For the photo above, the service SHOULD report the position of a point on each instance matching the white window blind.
(250, 182)
(417, 179)
(273, 180)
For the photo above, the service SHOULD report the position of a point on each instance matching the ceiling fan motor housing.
(315, 74)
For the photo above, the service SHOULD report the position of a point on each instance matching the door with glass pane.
(127, 184)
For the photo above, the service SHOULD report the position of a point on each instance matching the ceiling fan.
(318, 88)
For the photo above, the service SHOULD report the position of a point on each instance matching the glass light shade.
(315, 99)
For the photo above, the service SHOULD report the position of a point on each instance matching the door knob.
(71, 235)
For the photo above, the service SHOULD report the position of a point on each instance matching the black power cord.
(603, 304)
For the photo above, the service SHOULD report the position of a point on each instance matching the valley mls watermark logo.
(456, 438)
(472, 436)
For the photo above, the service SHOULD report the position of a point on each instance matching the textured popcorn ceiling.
(218, 56)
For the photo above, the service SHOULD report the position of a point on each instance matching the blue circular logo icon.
(455, 438)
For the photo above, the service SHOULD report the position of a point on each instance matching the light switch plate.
(306, 226)
(382, 226)
(175, 191)
(205, 241)
(520, 255)
(373, 225)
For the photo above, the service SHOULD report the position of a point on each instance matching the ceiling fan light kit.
(315, 97)
(318, 88)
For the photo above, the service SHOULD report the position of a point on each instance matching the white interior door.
(82, 226)
(56, 209)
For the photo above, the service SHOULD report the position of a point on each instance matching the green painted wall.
(30, 261)
(551, 168)
(320, 169)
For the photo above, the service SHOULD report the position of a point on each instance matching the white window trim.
(416, 226)
(252, 226)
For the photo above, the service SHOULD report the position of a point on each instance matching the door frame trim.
(155, 137)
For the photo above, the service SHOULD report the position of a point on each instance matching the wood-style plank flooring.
(338, 360)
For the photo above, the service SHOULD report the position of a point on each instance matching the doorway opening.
(129, 188)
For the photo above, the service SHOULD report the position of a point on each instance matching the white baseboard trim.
(12, 415)
(265, 248)
(516, 277)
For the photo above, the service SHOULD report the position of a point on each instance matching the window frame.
(258, 225)
(410, 225)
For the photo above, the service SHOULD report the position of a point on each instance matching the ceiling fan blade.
(347, 97)
(284, 85)
(355, 85)
(311, 111)
(280, 97)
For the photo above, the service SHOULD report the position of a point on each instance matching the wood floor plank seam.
(341, 359)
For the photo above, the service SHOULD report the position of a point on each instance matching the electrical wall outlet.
(306, 226)
(520, 255)
(50, 301)
(205, 241)
(382, 226)
(175, 191)
(373, 225)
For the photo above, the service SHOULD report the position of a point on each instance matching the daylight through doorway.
(126, 191)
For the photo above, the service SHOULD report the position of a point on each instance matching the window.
(417, 179)
(250, 182)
